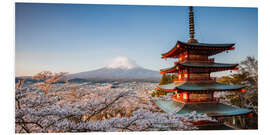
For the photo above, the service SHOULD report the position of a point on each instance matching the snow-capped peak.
(122, 62)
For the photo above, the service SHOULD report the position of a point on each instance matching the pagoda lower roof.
(200, 86)
(211, 109)
(198, 65)
(204, 49)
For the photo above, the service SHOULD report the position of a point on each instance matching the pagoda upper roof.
(206, 44)
(207, 65)
(204, 49)
(199, 86)
(222, 66)
(211, 109)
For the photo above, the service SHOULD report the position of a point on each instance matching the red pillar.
(188, 74)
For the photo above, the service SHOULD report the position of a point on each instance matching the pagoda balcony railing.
(176, 79)
(210, 60)
(202, 79)
(180, 99)
(196, 79)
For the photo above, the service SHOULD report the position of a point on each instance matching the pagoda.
(194, 88)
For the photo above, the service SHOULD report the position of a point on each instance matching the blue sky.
(75, 37)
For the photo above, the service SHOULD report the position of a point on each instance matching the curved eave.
(240, 112)
(211, 109)
(215, 109)
(211, 65)
(208, 45)
(182, 46)
(166, 90)
(170, 53)
(167, 87)
(169, 70)
(214, 86)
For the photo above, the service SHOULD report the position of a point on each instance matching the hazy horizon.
(81, 37)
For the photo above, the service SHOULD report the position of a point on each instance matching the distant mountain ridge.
(117, 73)
(120, 68)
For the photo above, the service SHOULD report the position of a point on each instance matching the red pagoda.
(194, 89)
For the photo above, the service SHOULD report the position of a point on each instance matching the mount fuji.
(121, 68)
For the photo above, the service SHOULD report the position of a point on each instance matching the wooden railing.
(208, 60)
(196, 79)
(202, 79)
(180, 99)
(176, 79)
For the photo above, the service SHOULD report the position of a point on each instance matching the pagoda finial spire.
(191, 26)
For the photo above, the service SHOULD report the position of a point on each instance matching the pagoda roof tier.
(211, 109)
(168, 87)
(197, 48)
(200, 86)
(212, 67)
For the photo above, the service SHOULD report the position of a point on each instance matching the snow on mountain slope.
(119, 68)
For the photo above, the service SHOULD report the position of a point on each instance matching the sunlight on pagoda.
(193, 89)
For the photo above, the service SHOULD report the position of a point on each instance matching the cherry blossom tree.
(38, 110)
(247, 75)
